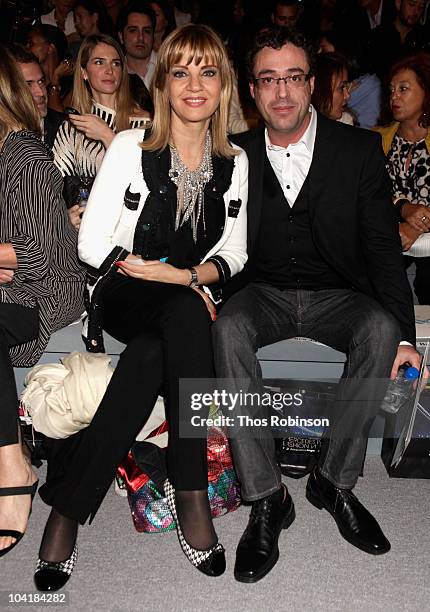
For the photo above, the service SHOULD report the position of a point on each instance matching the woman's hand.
(408, 235)
(209, 304)
(153, 270)
(6, 276)
(75, 213)
(93, 127)
(417, 215)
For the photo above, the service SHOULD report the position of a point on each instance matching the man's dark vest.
(286, 256)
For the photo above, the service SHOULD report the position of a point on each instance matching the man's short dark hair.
(144, 8)
(276, 37)
(21, 54)
(54, 36)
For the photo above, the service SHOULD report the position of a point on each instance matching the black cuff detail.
(223, 268)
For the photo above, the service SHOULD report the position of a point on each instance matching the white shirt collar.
(307, 139)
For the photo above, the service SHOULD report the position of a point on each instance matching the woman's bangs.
(197, 50)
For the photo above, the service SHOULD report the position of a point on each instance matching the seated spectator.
(356, 21)
(91, 17)
(162, 315)
(402, 36)
(364, 101)
(164, 22)
(113, 8)
(286, 12)
(41, 280)
(406, 143)
(35, 79)
(61, 16)
(103, 105)
(136, 25)
(331, 89)
(49, 45)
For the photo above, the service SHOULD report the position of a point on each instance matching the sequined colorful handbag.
(144, 471)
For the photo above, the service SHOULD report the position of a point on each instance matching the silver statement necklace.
(191, 185)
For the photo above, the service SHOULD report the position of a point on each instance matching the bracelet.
(194, 278)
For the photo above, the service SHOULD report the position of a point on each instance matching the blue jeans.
(348, 321)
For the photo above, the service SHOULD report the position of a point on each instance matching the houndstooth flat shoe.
(211, 561)
(53, 575)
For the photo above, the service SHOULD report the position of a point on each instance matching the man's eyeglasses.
(296, 81)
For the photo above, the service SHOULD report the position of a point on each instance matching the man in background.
(36, 81)
(136, 25)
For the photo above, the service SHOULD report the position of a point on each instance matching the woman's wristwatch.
(194, 282)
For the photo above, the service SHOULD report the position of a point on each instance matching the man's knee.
(379, 328)
(233, 325)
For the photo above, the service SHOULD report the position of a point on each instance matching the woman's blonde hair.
(187, 44)
(82, 96)
(17, 108)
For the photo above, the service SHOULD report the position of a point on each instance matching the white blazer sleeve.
(97, 235)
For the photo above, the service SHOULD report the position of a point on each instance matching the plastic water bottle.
(399, 390)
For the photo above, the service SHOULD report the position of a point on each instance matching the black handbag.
(415, 461)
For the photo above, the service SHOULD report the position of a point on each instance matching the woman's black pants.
(18, 324)
(167, 332)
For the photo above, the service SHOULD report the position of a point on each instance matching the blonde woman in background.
(101, 106)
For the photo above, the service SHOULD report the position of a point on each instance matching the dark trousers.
(18, 324)
(422, 277)
(167, 332)
(348, 321)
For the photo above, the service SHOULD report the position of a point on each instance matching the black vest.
(286, 255)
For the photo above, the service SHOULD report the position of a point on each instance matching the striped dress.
(34, 220)
(77, 155)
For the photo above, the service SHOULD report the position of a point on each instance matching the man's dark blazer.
(353, 221)
(51, 123)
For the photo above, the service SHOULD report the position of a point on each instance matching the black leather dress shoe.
(354, 522)
(258, 548)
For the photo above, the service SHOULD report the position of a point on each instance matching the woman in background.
(331, 89)
(91, 17)
(41, 281)
(406, 144)
(101, 106)
(164, 22)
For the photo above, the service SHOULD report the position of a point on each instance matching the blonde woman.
(164, 229)
(41, 281)
(101, 105)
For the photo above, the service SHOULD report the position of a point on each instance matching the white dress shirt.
(69, 26)
(150, 69)
(291, 164)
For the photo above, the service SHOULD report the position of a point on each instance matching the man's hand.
(6, 276)
(408, 235)
(414, 215)
(93, 127)
(407, 355)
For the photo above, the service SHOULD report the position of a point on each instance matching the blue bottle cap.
(411, 373)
